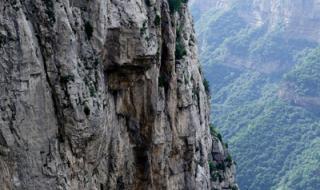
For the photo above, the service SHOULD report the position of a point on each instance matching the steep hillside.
(262, 60)
(104, 95)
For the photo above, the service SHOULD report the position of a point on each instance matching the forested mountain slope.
(263, 62)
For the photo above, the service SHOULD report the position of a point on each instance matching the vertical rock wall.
(103, 94)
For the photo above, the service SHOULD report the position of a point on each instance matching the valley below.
(262, 59)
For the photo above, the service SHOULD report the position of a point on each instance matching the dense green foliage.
(157, 20)
(180, 50)
(176, 4)
(306, 74)
(274, 140)
(267, 134)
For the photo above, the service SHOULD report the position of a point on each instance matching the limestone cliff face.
(94, 95)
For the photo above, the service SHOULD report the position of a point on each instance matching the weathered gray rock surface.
(93, 97)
